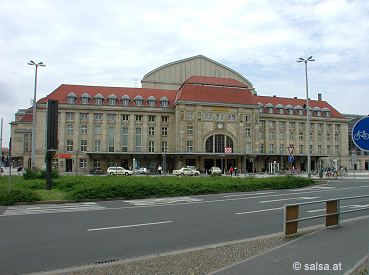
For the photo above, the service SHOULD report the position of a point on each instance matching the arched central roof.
(172, 75)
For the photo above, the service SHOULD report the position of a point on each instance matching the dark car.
(97, 171)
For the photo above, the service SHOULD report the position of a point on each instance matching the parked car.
(97, 171)
(186, 172)
(142, 170)
(215, 171)
(118, 171)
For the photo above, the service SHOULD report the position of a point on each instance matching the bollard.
(291, 215)
(332, 216)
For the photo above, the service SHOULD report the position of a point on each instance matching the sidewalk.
(338, 249)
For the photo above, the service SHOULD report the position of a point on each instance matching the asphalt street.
(46, 237)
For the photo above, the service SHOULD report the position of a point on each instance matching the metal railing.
(332, 213)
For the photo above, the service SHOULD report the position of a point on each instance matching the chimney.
(295, 97)
(274, 96)
(319, 97)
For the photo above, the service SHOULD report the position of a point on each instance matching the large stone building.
(191, 112)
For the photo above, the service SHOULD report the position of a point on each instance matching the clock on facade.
(220, 125)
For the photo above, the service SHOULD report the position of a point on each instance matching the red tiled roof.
(297, 101)
(27, 117)
(217, 81)
(63, 90)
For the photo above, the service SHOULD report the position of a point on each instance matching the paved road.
(43, 237)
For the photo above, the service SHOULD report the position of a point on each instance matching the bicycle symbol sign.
(360, 134)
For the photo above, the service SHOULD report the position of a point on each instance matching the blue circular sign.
(360, 133)
(291, 159)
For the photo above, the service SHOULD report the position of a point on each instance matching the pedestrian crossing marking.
(163, 201)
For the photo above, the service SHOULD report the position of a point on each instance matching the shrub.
(31, 174)
(17, 195)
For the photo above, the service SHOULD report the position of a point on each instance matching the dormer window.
(280, 108)
(318, 111)
(164, 102)
(125, 100)
(151, 101)
(71, 98)
(326, 112)
(261, 107)
(269, 106)
(289, 109)
(99, 99)
(112, 99)
(299, 110)
(138, 100)
(85, 98)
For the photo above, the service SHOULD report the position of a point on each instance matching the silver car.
(215, 171)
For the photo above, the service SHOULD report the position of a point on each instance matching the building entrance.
(68, 165)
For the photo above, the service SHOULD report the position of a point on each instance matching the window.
(82, 163)
(151, 101)
(70, 129)
(328, 149)
(164, 102)
(98, 101)
(319, 136)
(83, 145)
(97, 116)
(71, 98)
(271, 124)
(219, 117)
(124, 139)
(138, 100)
(336, 137)
(261, 148)
(164, 146)
(282, 124)
(83, 129)
(247, 118)
(281, 135)
(301, 136)
(208, 116)
(328, 136)
(97, 163)
(261, 134)
(69, 116)
(111, 117)
(338, 127)
(151, 118)
(301, 125)
(292, 135)
(138, 140)
(271, 148)
(281, 148)
(189, 130)
(319, 149)
(248, 132)
(69, 145)
(138, 117)
(125, 100)
(151, 146)
(217, 143)
(125, 117)
(248, 147)
(97, 145)
(164, 118)
(85, 100)
(26, 147)
(290, 111)
(292, 124)
(97, 129)
(311, 149)
(231, 117)
(301, 149)
(151, 131)
(83, 116)
(164, 131)
(189, 146)
(320, 126)
(329, 127)
(189, 115)
(337, 150)
(112, 101)
(271, 134)
(262, 123)
(111, 139)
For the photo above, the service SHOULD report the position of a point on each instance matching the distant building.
(192, 112)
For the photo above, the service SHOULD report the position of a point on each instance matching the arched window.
(217, 143)
(138, 100)
(125, 100)
(71, 98)
(85, 98)
(112, 99)
(151, 101)
(99, 99)
(164, 102)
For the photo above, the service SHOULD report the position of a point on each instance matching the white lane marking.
(257, 211)
(161, 201)
(51, 208)
(128, 226)
(248, 194)
(345, 206)
(297, 198)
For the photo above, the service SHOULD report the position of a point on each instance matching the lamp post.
(1, 144)
(281, 151)
(33, 160)
(311, 59)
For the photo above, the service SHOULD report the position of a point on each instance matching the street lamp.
(33, 160)
(310, 58)
(1, 144)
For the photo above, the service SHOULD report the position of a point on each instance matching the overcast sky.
(114, 43)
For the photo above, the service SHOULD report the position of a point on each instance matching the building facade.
(193, 112)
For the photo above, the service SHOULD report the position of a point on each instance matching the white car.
(215, 171)
(142, 170)
(118, 171)
(186, 172)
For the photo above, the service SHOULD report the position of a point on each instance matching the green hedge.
(31, 174)
(17, 195)
(144, 187)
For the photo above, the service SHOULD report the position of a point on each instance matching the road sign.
(290, 149)
(354, 159)
(360, 133)
(227, 149)
(291, 159)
